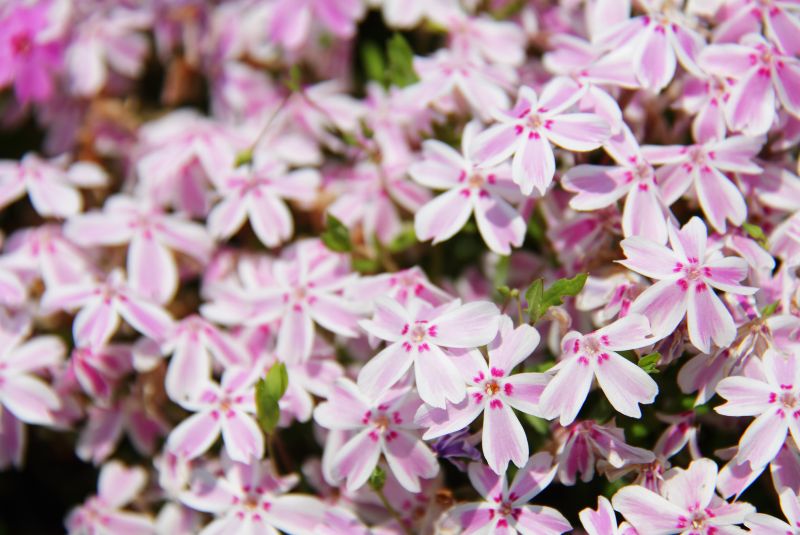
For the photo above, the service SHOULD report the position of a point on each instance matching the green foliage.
(540, 300)
(405, 239)
(269, 391)
(372, 61)
(244, 157)
(755, 232)
(377, 479)
(648, 362)
(336, 236)
(540, 425)
(400, 57)
(277, 380)
(770, 309)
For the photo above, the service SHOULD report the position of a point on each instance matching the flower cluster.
(402, 266)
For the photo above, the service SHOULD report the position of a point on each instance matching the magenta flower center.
(491, 388)
(476, 181)
(21, 43)
(417, 335)
(697, 155)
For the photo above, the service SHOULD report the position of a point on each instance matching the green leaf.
(401, 62)
(294, 83)
(504, 291)
(377, 479)
(373, 62)
(277, 381)
(245, 157)
(540, 300)
(405, 239)
(754, 231)
(267, 410)
(366, 265)
(648, 362)
(770, 309)
(336, 237)
(540, 425)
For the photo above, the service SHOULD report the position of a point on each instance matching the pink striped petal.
(35, 354)
(270, 218)
(296, 335)
(762, 440)
(335, 314)
(194, 435)
(648, 258)
(629, 332)
(751, 107)
(565, 394)
(647, 511)
(512, 346)
(147, 318)
(95, 323)
(596, 186)
(534, 164)
(454, 417)
(525, 391)
(744, 396)
(603, 521)
(534, 477)
(383, 370)
(500, 225)
(409, 459)
(295, 514)
(345, 408)
(664, 304)
(437, 378)
(441, 168)
(187, 237)
(707, 319)
(496, 144)
(719, 198)
(189, 369)
(152, 271)
(726, 274)
(726, 60)
(486, 481)
(538, 520)
(228, 216)
(473, 518)
(690, 241)
(654, 59)
(786, 78)
(578, 131)
(357, 459)
(53, 198)
(503, 439)
(784, 26)
(625, 385)
(29, 399)
(118, 485)
(470, 325)
(643, 214)
(443, 217)
(244, 441)
(388, 321)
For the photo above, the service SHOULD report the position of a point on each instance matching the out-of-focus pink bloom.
(703, 166)
(646, 211)
(471, 187)
(101, 305)
(292, 20)
(688, 506)
(402, 286)
(106, 38)
(151, 235)
(528, 129)
(448, 79)
(610, 296)
(98, 369)
(256, 193)
(686, 275)
(102, 514)
(249, 498)
(778, 19)
(624, 383)
(705, 98)
(506, 508)
(761, 524)
(227, 409)
(383, 426)
(192, 345)
(656, 41)
(31, 48)
(52, 189)
(584, 443)
(603, 521)
(494, 391)
(13, 438)
(773, 399)
(305, 287)
(417, 334)
(760, 70)
(43, 252)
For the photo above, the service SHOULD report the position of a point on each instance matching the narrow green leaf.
(268, 412)
(336, 236)
(405, 239)
(294, 83)
(245, 157)
(540, 425)
(401, 61)
(770, 309)
(649, 362)
(373, 62)
(366, 266)
(377, 479)
(277, 381)
(534, 295)
(540, 300)
(754, 231)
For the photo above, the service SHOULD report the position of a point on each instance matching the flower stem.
(393, 511)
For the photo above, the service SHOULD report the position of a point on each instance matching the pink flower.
(250, 498)
(773, 398)
(31, 51)
(655, 41)
(402, 286)
(292, 20)
(776, 19)
(381, 427)
(471, 187)
(28, 397)
(688, 506)
(624, 383)
(151, 235)
(97, 370)
(760, 70)
(43, 252)
(603, 521)
(417, 334)
(117, 487)
(705, 99)
(761, 524)
(704, 166)
(528, 129)
(101, 305)
(227, 408)
(506, 508)
(52, 189)
(494, 391)
(646, 211)
(584, 443)
(256, 193)
(685, 275)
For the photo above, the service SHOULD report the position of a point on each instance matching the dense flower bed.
(400, 266)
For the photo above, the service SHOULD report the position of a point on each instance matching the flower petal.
(567, 391)
(409, 459)
(384, 370)
(503, 439)
(707, 319)
(443, 217)
(625, 384)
